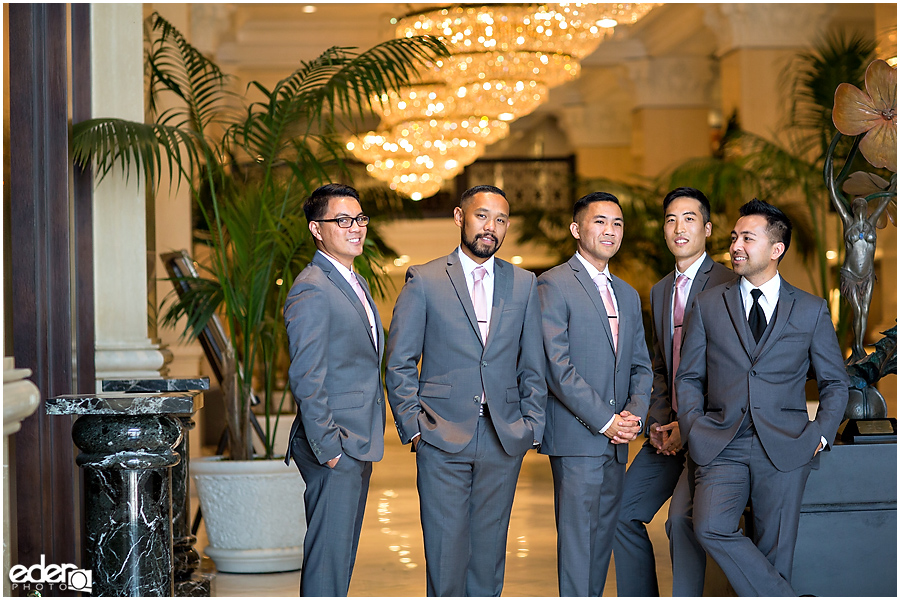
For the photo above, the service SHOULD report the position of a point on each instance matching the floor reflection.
(391, 557)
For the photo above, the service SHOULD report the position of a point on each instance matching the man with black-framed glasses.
(336, 342)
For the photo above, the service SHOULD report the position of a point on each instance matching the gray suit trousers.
(335, 501)
(587, 497)
(651, 479)
(761, 566)
(465, 500)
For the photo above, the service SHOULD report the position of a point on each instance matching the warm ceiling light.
(503, 60)
(309, 8)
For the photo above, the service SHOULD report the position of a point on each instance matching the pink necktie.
(603, 285)
(479, 301)
(681, 285)
(357, 287)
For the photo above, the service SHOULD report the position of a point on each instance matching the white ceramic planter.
(253, 511)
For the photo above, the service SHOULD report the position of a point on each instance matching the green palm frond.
(148, 147)
(178, 67)
(340, 81)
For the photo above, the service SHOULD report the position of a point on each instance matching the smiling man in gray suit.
(748, 348)
(599, 379)
(336, 341)
(658, 471)
(478, 404)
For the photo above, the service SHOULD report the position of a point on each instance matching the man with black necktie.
(662, 469)
(748, 347)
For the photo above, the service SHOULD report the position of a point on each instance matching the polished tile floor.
(391, 560)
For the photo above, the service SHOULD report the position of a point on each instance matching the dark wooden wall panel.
(47, 482)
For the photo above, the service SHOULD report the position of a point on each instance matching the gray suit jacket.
(335, 371)
(587, 379)
(434, 320)
(710, 275)
(719, 354)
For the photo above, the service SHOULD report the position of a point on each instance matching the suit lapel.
(458, 279)
(667, 319)
(503, 278)
(624, 323)
(700, 280)
(782, 316)
(593, 293)
(732, 295)
(340, 283)
(379, 332)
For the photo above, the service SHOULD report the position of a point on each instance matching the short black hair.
(778, 226)
(582, 203)
(689, 192)
(316, 205)
(480, 189)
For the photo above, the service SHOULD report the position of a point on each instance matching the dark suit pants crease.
(651, 480)
(335, 501)
(465, 499)
(761, 566)
(587, 497)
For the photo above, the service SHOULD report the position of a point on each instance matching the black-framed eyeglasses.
(346, 222)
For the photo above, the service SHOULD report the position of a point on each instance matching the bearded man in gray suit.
(336, 341)
(662, 468)
(478, 404)
(748, 348)
(599, 379)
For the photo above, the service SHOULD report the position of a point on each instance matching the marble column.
(597, 121)
(127, 444)
(123, 347)
(189, 582)
(20, 400)
(671, 110)
(755, 42)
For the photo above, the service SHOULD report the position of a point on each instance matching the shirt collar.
(468, 265)
(344, 271)
(591, 269)
(770, 289)
(691, 271)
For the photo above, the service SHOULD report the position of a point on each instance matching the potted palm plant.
(249, 165)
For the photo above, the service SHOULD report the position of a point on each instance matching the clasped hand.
(624, 428)
(666, 438)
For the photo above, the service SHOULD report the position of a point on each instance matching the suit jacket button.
(477, 398)
(612, 401)
(743, 410)
(483, 363)
(753, 373)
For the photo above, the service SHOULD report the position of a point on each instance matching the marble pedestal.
(188, 581)
(127, 444)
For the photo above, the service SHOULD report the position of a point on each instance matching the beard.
(479, 248)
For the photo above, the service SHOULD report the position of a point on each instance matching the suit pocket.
(346, 400)
(435, 390)
(709, 410)
(793, 409)
(512, 394)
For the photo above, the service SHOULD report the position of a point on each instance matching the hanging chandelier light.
(503, 60)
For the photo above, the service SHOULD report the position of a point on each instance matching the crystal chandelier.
(503, 60)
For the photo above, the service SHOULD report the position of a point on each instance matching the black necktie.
(757, 318)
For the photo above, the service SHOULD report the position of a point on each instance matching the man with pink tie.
(598, 380)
